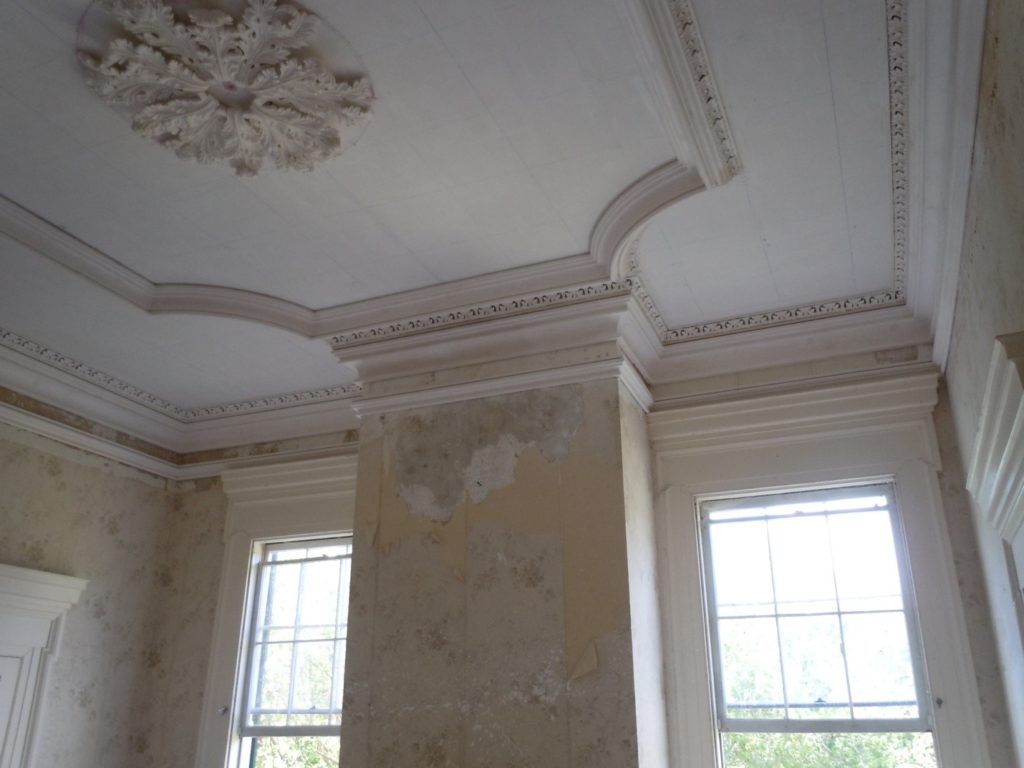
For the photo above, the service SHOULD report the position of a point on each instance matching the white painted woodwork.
(879, 429)
(996, 474)
(289, 500)
(31, 606)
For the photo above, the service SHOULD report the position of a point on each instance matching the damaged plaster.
(493, 631)
(443, 454)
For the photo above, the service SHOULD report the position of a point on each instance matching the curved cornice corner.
(634, 207)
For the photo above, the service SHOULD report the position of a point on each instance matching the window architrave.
(851, 433)
(296, 500)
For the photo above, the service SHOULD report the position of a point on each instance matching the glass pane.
(829, 750)
(272, 668)
(319, 599)
(314, 666)
(878, 655)
(296, 752)
(752, 680)
(867, 574)
(812, 661)
(280, 594)
(743, 577)
(802, 565)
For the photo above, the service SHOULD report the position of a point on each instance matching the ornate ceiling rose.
(223, 87)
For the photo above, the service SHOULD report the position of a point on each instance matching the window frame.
(922, 723)
(867, 431)
(308, 499)
(248, 732)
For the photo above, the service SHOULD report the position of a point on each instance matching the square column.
(503, 608)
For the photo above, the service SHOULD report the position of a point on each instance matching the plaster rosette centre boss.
(227, 82)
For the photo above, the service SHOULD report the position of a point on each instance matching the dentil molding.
(220, 89)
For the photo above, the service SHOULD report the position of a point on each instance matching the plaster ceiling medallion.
(227, 82)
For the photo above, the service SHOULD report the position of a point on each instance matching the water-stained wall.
(126, 688)
(990, 298)
(490, 610)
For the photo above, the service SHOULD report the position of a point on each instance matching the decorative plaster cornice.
(895, 32)
(122, 388)
(618, 225)
(897, 296)
(520, 305)
(714, 112)
(674, 63)
(84, 372)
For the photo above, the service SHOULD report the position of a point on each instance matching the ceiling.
(504, 133)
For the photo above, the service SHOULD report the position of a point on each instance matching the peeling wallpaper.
(990, 297)
(496, 634)
(125, 688)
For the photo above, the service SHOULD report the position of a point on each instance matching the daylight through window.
(813, 631)
(296, 659)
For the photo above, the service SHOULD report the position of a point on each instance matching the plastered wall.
(990, 299)
(490, 618)
(126, 687)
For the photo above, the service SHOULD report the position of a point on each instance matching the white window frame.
(309, 499)
(873, 431)
(833, 725)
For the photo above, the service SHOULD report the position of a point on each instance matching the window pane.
(802, 564)
(281, 591)
(867, 574)
(878, 655)
(829, 750)
(272, 673)
(314, 668)
(812, 661)
(319, 600)
(750, 659)
(743, 577)
(296, 752)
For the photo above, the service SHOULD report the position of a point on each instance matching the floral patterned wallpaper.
(125, 688)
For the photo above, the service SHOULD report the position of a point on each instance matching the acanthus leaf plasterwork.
(689, 34)
(122, 388)
(214, 88)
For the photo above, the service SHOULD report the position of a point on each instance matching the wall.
(126, 687)
(490, 618)
(973, 593)
(990, 299)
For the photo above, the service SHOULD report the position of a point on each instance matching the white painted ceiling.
(805, 86)
(502, 129)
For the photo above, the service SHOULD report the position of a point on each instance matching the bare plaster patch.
(472, 448)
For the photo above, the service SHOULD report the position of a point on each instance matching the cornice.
(895, 35)
(674, 62)
(512, 307)
(628, 256)
(80, 370)
(619, 223)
